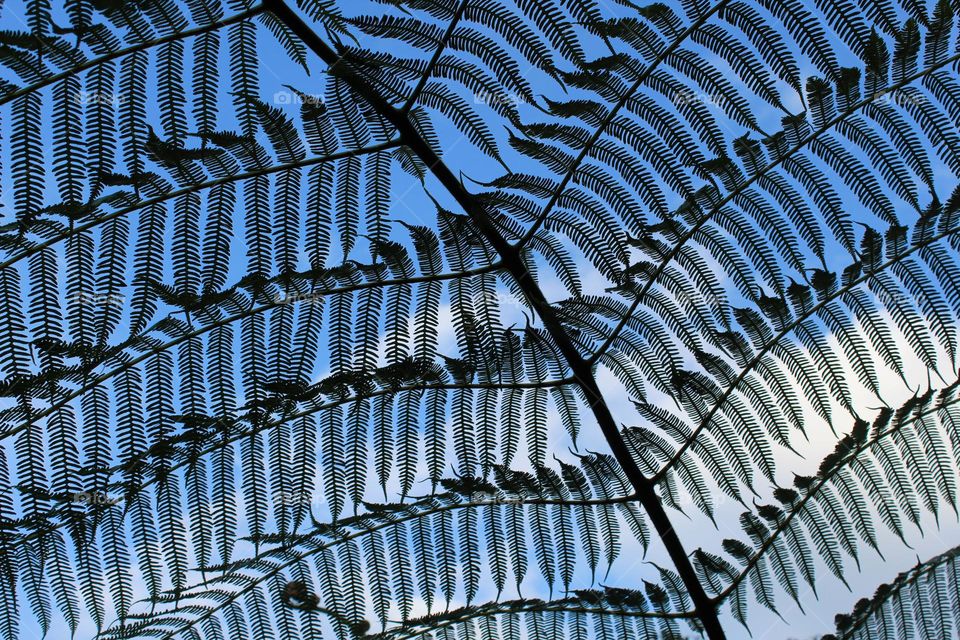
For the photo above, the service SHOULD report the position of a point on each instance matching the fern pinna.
(475, 318)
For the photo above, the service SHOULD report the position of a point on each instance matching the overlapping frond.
(391, 554)
(918, 602)
(223, 324)
(888, 472)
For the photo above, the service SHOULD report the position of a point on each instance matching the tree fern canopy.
(479, 319)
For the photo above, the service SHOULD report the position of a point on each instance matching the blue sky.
(411, 202)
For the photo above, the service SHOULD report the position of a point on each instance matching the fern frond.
(917, 601)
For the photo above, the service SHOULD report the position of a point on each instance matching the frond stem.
(720, 597)
(129, 364)
(759, 174)
(140, 46)
(195, 188)
(569, 605)
(568, 176)
(786, 331)
(265, 426)
(513, 263)
(908, 578)
(425, 77)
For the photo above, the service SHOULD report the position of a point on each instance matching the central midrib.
(509, 255)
